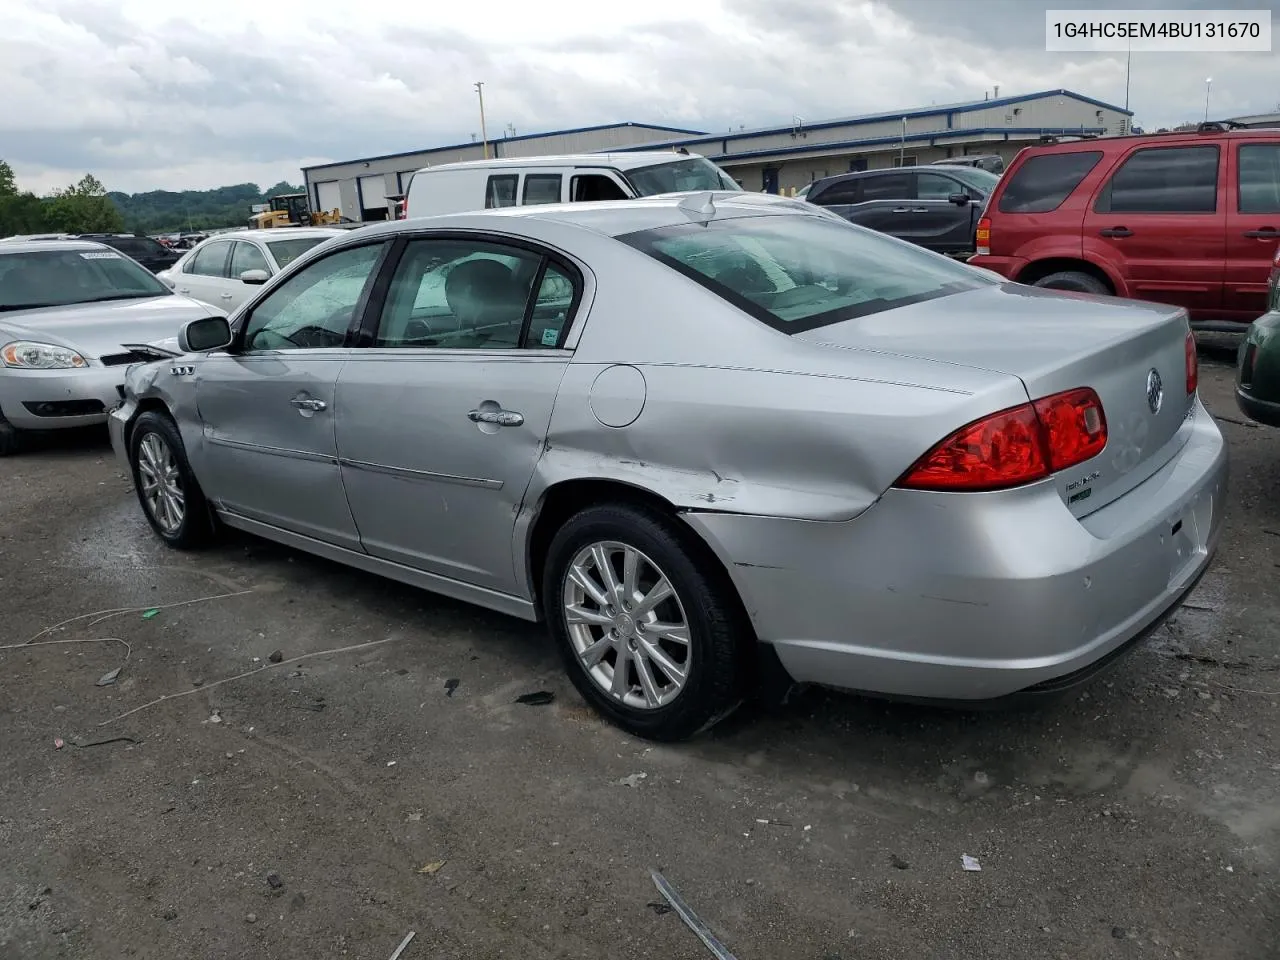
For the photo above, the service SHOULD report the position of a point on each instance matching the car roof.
(613, 218)
(620, 161)
(40, 246)
(277, 233)
(1173, 136)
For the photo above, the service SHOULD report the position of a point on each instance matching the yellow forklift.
(292, 210)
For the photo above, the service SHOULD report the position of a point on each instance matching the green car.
(1258, 369)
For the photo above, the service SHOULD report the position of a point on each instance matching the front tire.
(651, 635)
(170, 497)
(10, 439)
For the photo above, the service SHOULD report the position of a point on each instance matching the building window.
(857, 164)
(908, 161)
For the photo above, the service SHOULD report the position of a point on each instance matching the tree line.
(87, 207)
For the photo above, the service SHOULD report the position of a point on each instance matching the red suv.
(1190, 219)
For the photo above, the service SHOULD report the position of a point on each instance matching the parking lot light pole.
(484, 136)
(1208, 82)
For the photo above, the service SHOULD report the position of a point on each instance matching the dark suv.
(1190, 219)
(152, 254)
(935, 207)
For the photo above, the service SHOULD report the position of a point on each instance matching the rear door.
(1253, 226)
(1160, 221)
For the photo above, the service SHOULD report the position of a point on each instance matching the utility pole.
(484, 136)
(902, 144)
(1208, 82)
(1128, 60)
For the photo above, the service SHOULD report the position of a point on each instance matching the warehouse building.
(778, 159)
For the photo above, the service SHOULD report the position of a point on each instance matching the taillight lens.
(1015, 446)
(982, 238)
(1193, 364)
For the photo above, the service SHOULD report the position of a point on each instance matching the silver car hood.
(97, 329)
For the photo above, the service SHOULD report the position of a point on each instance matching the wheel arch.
(1037, 269)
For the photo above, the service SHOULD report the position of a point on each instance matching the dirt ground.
(291, 814)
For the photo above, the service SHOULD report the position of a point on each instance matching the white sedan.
(225, 269)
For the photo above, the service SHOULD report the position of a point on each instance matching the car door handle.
(1266, 233)
(184, 289)
(919, 210)
(1115, 232)
(308, 403)
(900, 210)
(503, 418)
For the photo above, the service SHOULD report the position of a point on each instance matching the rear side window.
(844, 191)
(799, 272)
(1044, 182)
(541, 188)
(1164, 180)
(501, 191)
(896, 186)
(1259, 178)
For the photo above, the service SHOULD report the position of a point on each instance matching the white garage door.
(330, 196)
(373, 192)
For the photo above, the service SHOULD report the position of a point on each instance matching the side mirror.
(204, 335)
(255, 277)
(168, 282)
(959, 199)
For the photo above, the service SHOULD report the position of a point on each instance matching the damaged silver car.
(702, 437)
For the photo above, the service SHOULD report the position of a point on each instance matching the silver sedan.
(73, 315)
(705, 438)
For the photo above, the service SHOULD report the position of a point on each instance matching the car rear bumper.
(976, 596)
(1008, 267)
(1263, 411)
(57, 399)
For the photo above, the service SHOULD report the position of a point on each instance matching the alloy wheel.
(161, 483)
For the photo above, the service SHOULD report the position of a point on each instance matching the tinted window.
(501, 191)
(542, 188)
(287, 251)
(1042, 183)
(210, 260)
(842, 191)
(932, 186)
(1164, 180)
(800, 272)
(246, 256)
(695, 173)
(55, 277)
(892, 186)
(1259, 178)
(314, 307)
(136, 246)
(983, 181)
(590, 187)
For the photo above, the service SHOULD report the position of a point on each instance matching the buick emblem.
(1155, 390)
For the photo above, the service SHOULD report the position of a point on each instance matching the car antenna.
(698, 206)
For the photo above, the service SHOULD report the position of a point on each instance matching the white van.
(518, 181)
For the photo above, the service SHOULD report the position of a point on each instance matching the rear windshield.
(136, 246)
(58, 277)
(679, 176)
(1042, 183)
(797, 272)
(287, 251)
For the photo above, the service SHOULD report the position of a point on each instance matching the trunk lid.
(1053, 341)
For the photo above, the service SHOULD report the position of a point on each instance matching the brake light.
(982, 238)
(1016, 446)
(1193, 364)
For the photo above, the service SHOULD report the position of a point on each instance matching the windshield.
(50, 278)
(680, 176)
(287, 251)
(797, 272)
(982, 180)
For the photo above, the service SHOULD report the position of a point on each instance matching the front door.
(441, 422)
(203, 276)
(936, 221)
(267, 407)
(1253, 227)
(1161, 221)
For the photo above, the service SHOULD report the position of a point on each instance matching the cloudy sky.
(174, 94)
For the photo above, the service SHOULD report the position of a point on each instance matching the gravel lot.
(1139, 818)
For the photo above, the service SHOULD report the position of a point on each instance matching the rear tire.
(170, 496)
(1076, 280)
(684, 659)
(10, 438)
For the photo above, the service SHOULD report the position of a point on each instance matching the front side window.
(1164, 180)
(210, 260)
(932, 186)
(475, 295)
(1259, 178)
(501, 191)
(58, 277)
(591, 187)
(1043, 183)
(246, 256)
(679, 176)
(541, 188)
(316, 306)
(799, 272)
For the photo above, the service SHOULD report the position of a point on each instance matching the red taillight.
(982, 238)
(1015, 446)
(1193, 364)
